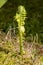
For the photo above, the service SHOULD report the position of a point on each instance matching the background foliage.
(34, 21)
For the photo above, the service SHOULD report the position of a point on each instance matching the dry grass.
(9, 53)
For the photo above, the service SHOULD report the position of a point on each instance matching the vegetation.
(23, 29)
(20, 17)
(2, 2)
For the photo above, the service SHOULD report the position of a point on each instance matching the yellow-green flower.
(22, 29)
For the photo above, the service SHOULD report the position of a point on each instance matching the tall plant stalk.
(20, 17)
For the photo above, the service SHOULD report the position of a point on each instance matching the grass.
(9, 53)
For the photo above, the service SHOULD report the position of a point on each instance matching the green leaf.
(2, 2)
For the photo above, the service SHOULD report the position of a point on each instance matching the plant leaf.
(2, 2)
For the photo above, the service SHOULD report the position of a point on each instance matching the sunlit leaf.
(2, 2)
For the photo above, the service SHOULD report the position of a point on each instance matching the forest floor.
(9, 52)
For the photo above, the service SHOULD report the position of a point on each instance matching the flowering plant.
(20, 17)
